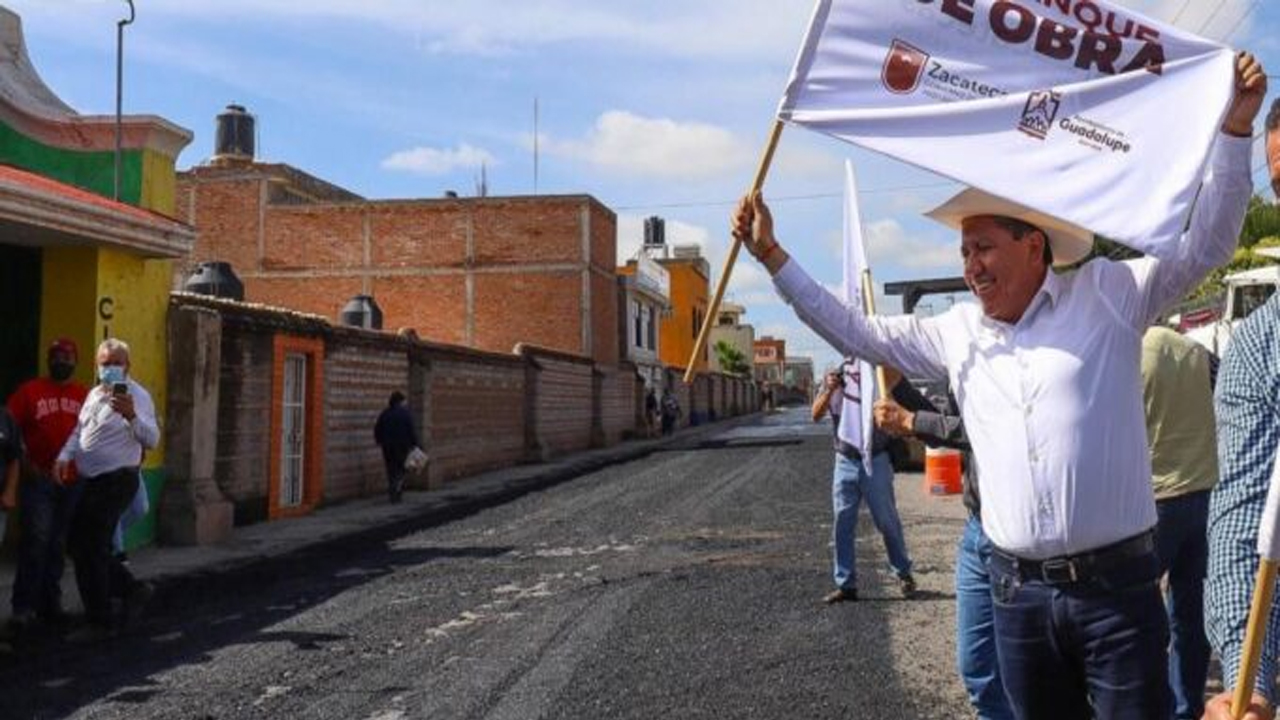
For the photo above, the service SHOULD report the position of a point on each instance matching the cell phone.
(120, 389)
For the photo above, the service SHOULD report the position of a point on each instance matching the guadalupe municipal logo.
(903, 67)
(1039, 112)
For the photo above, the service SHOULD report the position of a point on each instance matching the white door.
(293, 440)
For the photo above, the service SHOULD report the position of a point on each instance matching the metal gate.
(293, 428)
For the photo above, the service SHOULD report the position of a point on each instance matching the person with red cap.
(45, 410)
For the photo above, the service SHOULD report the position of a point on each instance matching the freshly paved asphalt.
(685, 584)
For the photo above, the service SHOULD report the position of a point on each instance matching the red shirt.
(46, 412)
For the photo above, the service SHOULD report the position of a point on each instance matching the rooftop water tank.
(362, 311)
(216, 279)
(234, 140)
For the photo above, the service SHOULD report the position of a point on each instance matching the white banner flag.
(1080, 109)
(859, 377)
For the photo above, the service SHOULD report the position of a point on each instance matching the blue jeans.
(1095, 648)
(45, 509)
(975, 627)
(849, 485)
(1183, 547)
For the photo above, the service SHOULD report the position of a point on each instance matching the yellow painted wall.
(132, 304)
(68, 293)
(689, 289)
(159, 182)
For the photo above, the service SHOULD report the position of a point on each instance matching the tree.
(731, 359)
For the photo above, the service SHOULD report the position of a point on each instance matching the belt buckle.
(1058, 570)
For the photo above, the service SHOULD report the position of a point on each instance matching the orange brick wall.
(512, 308)
(435, 306)
(226, 215)
(416, 258)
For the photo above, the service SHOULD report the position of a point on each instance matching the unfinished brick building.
(484, 273)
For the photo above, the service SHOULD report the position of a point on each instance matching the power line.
(1239, 22)
(785, 198)
(1212, 16)
(1178, 16)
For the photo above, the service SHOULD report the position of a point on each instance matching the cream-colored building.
(730, 330)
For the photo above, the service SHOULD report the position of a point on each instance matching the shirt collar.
(1050, 290)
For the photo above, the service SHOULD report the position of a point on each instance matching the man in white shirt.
(1046, 371)
(117, 423)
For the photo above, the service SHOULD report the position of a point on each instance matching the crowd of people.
(73, 458)
(1102, 467)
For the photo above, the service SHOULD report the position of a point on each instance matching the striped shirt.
(1247, 403)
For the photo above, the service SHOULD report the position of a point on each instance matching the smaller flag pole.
(869, 301)
(1260, 609)
(708, 321)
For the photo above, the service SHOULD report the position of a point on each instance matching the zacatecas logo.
(1039, 112)
(903, 67)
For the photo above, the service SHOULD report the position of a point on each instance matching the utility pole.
(120, 90)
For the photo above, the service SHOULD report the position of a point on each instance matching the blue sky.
(656, 107)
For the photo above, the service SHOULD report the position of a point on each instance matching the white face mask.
(111, 374)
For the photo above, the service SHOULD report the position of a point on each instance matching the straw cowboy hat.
(1069, 243)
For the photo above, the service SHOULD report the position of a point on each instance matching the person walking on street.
(116, 425)
(1046, 368)
(1177, 392)
(937, 425)
(46, 410)
(395, 434)
(851, 484)
(670, 409)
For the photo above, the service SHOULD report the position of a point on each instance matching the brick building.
(770, 359)
(483, 273)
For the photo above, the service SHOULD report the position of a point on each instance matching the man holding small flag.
(1045, 368)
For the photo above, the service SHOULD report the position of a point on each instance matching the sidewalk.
(264, 547)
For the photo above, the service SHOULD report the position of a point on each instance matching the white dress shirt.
(1052, 403)
(103, 440)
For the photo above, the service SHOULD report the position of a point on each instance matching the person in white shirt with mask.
(117, 424)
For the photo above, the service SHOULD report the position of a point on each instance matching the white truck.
(1246, 291)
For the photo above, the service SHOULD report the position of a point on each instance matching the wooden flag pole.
(869, 301)
(1254, 634)
(707, 322)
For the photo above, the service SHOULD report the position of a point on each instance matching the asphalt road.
(687, 584)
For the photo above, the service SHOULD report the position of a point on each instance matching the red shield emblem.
(903, 67)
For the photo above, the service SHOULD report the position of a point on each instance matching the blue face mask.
(111, 374)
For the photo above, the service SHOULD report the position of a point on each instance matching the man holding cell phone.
(117, 423)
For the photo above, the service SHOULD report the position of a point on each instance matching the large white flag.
(1080, 109)
(1269, 528)
(859, 377)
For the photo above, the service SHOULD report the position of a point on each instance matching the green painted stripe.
(92, 170)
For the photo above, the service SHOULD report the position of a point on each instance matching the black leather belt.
(1082, 567)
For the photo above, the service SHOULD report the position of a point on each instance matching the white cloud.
(630, 144)
(433, 161)
(888, 242)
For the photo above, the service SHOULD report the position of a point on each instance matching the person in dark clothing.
(650, 410)
(670, 411)
(395, 433)
(938, 424)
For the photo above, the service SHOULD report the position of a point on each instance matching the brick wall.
(564, 401)
(618, 403)
(476, 411)
(359, 378)
(244, 422)
(485, 273)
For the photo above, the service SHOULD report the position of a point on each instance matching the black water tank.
(362, 311)
(235, 134)
(216, 279)
(655, 231)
